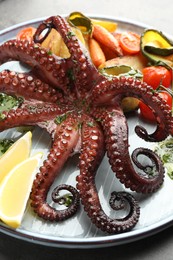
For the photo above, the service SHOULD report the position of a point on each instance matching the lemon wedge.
(15, 190)
(18, 152)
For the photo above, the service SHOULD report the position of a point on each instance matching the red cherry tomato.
(157, 75)
(26, 34)
(130, 42)
(147, 113)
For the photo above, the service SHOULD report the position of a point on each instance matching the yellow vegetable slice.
(64, 52)
(128, 103)
(86, 24)
(55, 44)
(81, 21)
(110, 26)
(18, 152)
(15, 190)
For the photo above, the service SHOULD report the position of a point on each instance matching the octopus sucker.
(50, 169)
(89, 196)
(81, 110)
(16, 50)
(26, 84)
(161, 110)
(116, 138)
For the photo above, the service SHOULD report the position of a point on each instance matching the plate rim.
(95, 242)
(86, 243)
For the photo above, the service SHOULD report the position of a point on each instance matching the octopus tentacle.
(118, 88)
(63, 199)
(91, 156)
(81, 110)
(84, 71)
(65, 140)
(29, 114)
(116, 137)
(49, 68)
(147, 168)
(28, 86)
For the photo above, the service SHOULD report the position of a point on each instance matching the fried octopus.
(81, 109)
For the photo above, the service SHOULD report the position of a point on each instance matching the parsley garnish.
(49, 52)
(70, 34)
(70, 74)
(91, 124)
(5, 145)
(60, 119)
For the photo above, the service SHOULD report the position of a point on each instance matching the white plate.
(78, 232)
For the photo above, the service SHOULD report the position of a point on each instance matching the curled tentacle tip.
(66, 199)
(141, 132)
(117, 200)
(39, 35)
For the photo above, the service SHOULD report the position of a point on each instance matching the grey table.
(152, 12)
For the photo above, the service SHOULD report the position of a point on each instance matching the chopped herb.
(65, 200)
(152, 91)
(2, 116)
(91, 124)
(70, 74)
(49, 52)
(98, 119)
(70, 34)
(83, 102)
(165, 150)
(169, 144)
(169, 168)
(166, 158)
(32, 108)
(60, 119)
(79, 125)
(5, 145)
(149, 170)
(8, 102)
(112, 113)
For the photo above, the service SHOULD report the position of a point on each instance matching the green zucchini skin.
(157, 47)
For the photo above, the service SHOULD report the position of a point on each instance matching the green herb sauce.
(5, 145)
(8, 102)
(165, 150)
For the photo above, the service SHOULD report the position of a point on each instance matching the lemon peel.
(15, 190)
(17, 153)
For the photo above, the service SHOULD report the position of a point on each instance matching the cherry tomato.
(147, 113)
(156, 75)
(26, 34)
(130, 42)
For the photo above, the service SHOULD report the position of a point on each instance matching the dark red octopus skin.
(93, 123)
(116, 138)
(66, 136)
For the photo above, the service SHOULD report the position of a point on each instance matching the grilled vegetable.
(157, 47)
(128, 103)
